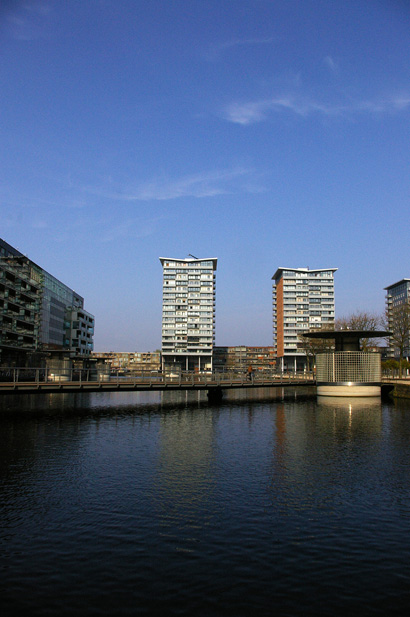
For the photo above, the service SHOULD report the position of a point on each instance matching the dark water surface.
(133, 504)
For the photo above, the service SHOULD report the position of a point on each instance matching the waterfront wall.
(401, 390)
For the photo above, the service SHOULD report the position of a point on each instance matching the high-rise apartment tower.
(188, 313)
(303, 300)
(398, 295)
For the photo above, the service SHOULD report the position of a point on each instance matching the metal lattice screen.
(353, 366)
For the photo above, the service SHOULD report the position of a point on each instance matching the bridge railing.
(62, 375)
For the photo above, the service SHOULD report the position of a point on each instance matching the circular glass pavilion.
(348, 371)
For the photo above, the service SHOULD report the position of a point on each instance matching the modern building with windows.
(397, 295)
(188, 313)
(20, 302)
(302, 300)
(64, 322)
(79, 330)
(240, 357)
(40, 313)
(130, 361)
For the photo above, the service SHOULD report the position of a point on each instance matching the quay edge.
(400, 390)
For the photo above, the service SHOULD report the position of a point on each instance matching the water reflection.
(185, 455)
(349, 403)
(350, 416)
(324, 455)
(175, 506)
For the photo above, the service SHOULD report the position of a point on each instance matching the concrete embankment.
(397, 389)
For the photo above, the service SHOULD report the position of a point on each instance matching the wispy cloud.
(204, 184)
(330, 63)
(401, 102)
(27, 21)
(208, 184)
(217, 49)
(130, 228)
(40, 224)
(39, 8)
(258, 111)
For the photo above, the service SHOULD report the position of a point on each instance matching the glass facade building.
(52, 312)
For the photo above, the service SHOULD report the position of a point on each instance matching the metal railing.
(79, 376)
(394, 375)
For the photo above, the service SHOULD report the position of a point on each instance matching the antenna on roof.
(189, 255)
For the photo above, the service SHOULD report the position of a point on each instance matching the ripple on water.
(288, 506)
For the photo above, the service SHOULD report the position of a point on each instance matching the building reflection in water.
(184, 477)
(316, 447)
(205, 455)
(358, 417)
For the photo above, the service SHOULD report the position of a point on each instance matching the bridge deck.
(141, 385)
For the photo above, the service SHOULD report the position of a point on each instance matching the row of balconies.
(189, 321)
(23, 341)
(18, 277)
(188, 337)
(75, 342)
(11, 307)
(317, 313)
(81, 333)
(184, 352)
(18, 327)
(21, 305)
(186, 345)
(17, 291)
(178, 310)
(184, 327)
(168, 340)
(29, 288)
(307, 303)
(31, 318)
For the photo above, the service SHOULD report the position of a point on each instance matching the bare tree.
(361, 320)
(312, 346)
(398, 320)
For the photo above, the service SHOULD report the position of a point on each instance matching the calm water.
(122, 504)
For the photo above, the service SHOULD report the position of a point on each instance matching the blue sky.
(263, 133)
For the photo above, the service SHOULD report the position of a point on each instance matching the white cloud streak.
(205, 184)
(208, 184)
(331, 64)
(217, 49)
(258, 111)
